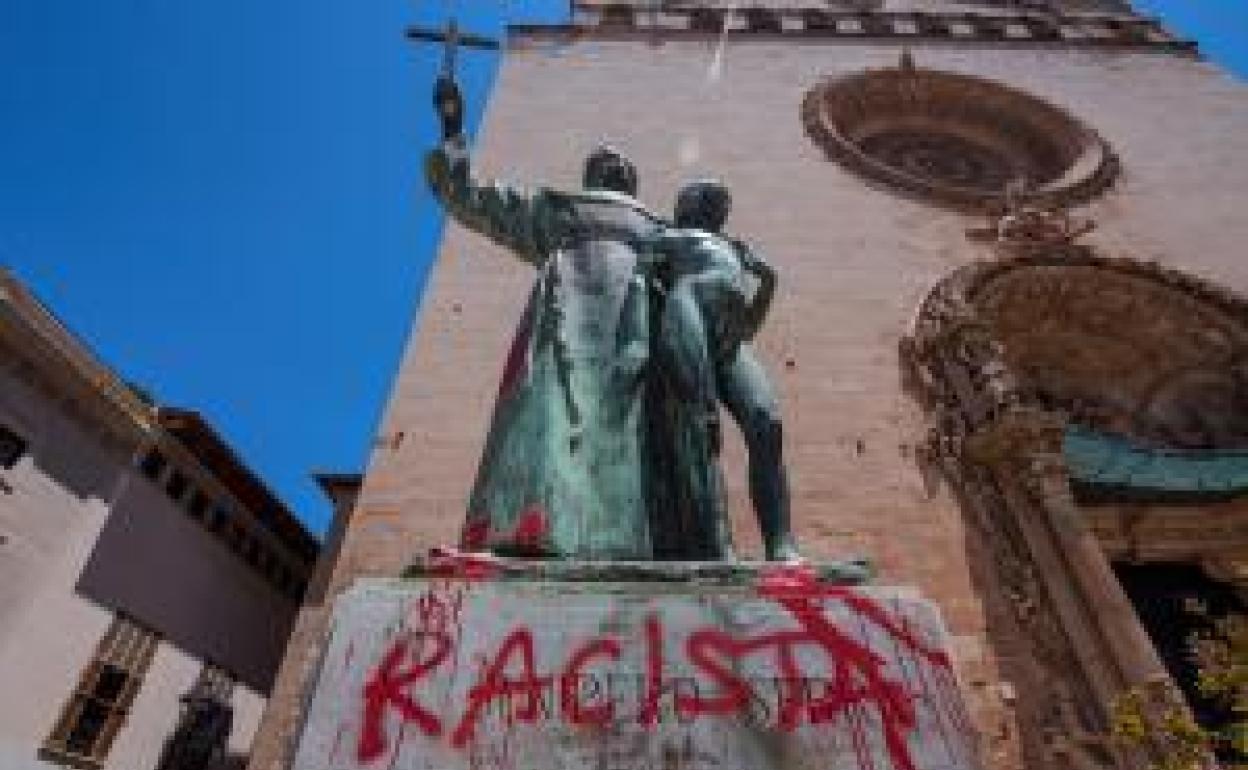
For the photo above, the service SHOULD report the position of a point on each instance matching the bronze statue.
(604, 442)
(564, 468)
(703, 344)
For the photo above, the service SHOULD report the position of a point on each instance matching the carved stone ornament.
(1002, 354)
(956, 140)
(1024, 229)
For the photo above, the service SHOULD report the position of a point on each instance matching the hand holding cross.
(448, 100)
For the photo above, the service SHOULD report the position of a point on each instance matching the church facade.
(1009, 341)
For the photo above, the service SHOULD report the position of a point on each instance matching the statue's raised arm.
(508, 215)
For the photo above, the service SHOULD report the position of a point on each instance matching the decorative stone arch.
(1004, 355)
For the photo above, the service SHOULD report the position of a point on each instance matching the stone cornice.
(1023, 28)
(66, 364)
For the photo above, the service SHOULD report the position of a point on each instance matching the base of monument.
(633, 667)
(444, 562)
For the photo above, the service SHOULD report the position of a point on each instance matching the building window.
(12, 447)
(152, 465)
(198, 505)
(177, 485)
(219, 517)
(106, 689)
(251, 552)
(282, 579)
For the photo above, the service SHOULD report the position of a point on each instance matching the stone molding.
(949, 326)
(1175, 533)
(41, 351)
(442, 562)
(1027, 27)
(955, 139)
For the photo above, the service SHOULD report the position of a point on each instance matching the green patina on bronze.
(605, 439)
(563, 471)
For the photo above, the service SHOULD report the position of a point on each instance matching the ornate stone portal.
(1004, 356)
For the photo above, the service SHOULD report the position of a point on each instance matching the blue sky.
(223, 198)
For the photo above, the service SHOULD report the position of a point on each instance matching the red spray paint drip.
(531, 528)
(516, 368)
(476, 533)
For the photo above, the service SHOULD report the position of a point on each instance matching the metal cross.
(452, 38)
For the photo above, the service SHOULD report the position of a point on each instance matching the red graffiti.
(390, 687)
(788, 584)
(854, 685)
(704, 649)
(799, 592)
(569, 695)
(654, 671)
(849, 657)
(495, 684)
(438, 610)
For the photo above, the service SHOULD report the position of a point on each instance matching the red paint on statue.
(476, 534)
(532, 528)
(451, 563)
(516, 367)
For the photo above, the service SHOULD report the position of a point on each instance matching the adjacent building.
(148, 578)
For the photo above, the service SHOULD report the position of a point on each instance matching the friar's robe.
(564, 471)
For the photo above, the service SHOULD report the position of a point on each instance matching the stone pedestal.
(641, 666)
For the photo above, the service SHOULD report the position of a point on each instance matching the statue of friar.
(565, 472)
